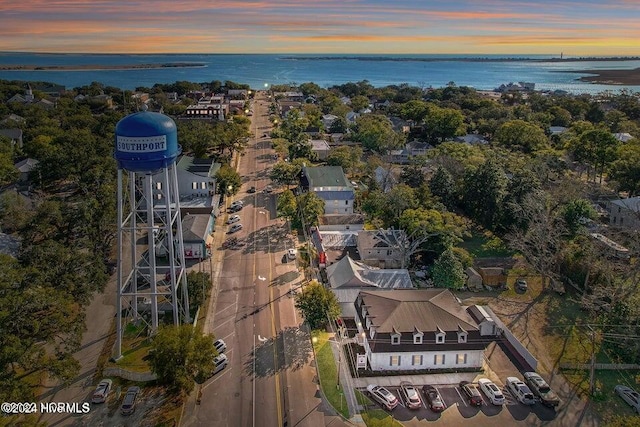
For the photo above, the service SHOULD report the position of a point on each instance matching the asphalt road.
(270, 379)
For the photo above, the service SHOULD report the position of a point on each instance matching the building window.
(438, 359)
(395, 339)
(203, 185)
(158, 186)
(394, 361)
(462, 337)
(389, 252)
(440, 338)
(194, 185)
(461, 359)
(417, 339)
(417, 359)
(346, 202)
(621, 220)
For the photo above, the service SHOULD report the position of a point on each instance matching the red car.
(471, 392)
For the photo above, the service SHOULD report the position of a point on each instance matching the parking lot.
(455, 402)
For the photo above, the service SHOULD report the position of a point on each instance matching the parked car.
(292, 253)
(233, 218)
(411, 395)
(237, 203)
(383, 396)
(251, 190)
(521, 285)
(219, 363)
(268, 189)
(492, 391)
(520, 391)
(128, 406)
(629, 395)
(102, 391)
(220, 346)
(434, 400)
(234, 228)
(470, 391)
(540, 388)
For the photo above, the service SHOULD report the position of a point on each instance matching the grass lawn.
(328, 373)
(379, 418)
(485, 245)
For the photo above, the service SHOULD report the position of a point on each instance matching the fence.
(601, 366)
(513, 344)
(129, 375)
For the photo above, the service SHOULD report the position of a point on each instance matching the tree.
(444, 229)
(198, 285)
(443, 123)
(521, 135)
(347, 157)
(375, 132)
(310, 207)
(448, 271)
(443, 187)
(228, 180)
(483, 192)
(412, 176)
(541, 241)
(317, 304)
(359, 102)
(285, 173)
(625, 171)
(181, 354)
(287, 206)
(414, 110)
(576, 212)
(600, 148)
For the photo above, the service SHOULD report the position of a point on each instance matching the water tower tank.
(146, 142)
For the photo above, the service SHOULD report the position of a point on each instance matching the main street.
(270, 379)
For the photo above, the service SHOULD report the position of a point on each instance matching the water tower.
(151, 264)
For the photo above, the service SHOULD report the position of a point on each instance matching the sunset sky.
(577, 28)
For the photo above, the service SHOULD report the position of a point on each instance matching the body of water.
(327, 70)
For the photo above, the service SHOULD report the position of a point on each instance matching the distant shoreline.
(610, 77)
(90, 67)
(459, 59)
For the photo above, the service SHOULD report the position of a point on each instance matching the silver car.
(492, 391)
(630, 396)
(102, 391)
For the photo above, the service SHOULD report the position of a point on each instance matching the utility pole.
(592, 370)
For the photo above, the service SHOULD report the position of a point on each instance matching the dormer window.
(395, 337)
(462, 335)
(417, 336)
(440, 336)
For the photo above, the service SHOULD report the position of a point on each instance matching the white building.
(424, 329)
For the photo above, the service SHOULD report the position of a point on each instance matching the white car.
(630, 396)
(520, 391)
(220, 346)
(411, 395)
(383, 396)
(219, 363)
(236, 203)
(233, 219)
(492, 391)
(292, 253)
(102, 391)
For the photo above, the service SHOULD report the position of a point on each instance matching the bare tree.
(406, 244)
(540, 241)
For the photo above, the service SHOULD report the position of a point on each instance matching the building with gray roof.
(418, 329)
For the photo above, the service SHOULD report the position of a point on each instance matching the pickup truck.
(541, 389)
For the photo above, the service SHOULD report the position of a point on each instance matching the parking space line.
(461, 398)
(441, 398)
